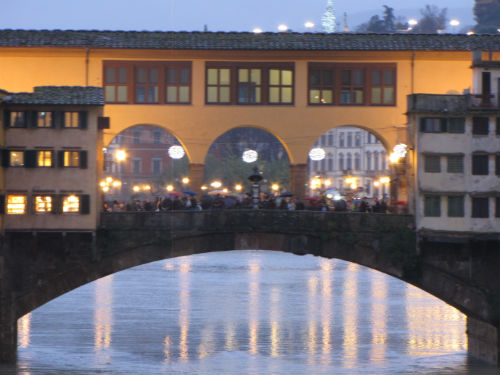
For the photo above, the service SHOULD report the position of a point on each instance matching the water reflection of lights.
(23, 330)
(379, 317)
(351, 298)
(326, 309)
(312, 285)
(432, 327)
(166, 350)
(184, 303)
(103, 318)
(274, 318)
(253, 305)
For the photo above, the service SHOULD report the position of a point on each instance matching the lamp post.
(255, 178)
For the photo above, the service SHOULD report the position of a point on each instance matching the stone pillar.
(298, 180)
(196, 177)
(8, 332)
(482, 340)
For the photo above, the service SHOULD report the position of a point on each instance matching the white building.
(456, 139)
(353, 158)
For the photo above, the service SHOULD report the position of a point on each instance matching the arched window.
(357, 162)
(375, 160)
(323, 140)
(349, 161)
(330, 139)
(341, 162)
(349, 139)
(368, 161)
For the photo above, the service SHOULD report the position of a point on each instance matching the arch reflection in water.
(249, 311)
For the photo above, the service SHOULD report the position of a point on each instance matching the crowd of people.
(267, 201)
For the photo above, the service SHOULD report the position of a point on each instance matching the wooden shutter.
(84, 204)
(5, 158)
(30, 158)
(60, 159)
(83, 159)
(422, 124)
(6, 119)
(56, 203)
(82, 119)
(2, 204)
(31, 119)
(444, 127)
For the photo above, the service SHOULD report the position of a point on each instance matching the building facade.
(456, 159)
(51, 158)
(354, 160)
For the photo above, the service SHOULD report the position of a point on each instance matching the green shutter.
(444, 123)
(60, 159)
(5, 158)
(30, 158)
(6, 119)
(83, 159)
(31, 119)
(422, 124)
(2, 204)
(85, 204)
(82, 119)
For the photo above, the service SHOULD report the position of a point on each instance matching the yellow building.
(201, 85)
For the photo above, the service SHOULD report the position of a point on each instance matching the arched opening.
(142, 163)
(233, 157)
(270, 312)
(348, 163)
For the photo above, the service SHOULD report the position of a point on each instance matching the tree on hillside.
(487, 15)
(386, 24)
(432, 20)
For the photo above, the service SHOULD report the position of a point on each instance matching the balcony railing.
(453, 104)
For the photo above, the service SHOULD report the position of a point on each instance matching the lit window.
(71, 203)
(44, 120)
(71, 158)
(43, 203)
(18, 119)
(218, 85)
(44, 159)
(16, 158)
(71, 120)
(16, 204)
(280, 86)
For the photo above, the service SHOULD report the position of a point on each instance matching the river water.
(245, 312)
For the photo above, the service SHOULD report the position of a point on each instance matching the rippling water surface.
(245, 312)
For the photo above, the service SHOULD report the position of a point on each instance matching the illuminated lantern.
(317, 154)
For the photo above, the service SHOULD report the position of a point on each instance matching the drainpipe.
(87, 53)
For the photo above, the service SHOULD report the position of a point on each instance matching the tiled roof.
(247, 41)
(58, 95)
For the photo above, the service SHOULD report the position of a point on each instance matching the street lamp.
(282, 27)
(255, 178)
(309, 25)
(454, 24)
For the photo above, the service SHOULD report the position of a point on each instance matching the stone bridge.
(36, 267)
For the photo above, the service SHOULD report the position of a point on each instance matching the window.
(341, 162)
(18, 119)
(352, 86)
(497, 164)
(249, 86)
(321, 86)
(323, 140)
(330, 162)
(330, 139)
(136, 137)
(218, 85)
(349, 161)
(432, 205)
(480, 125)
(456, 125)
(44, 120)
(357, 139)
(349, 139)
(368, 161)
(456, 206)
(455, 164)
(136, 165)
(375, 160)
(146, 85)
(178, 84)
(116, 84)
(71, 203)
(43, 203)
(167, 82)
(71, 119)
(432, 163)
(44, 158)
(357, 162)
(480, 207)
(16, 158)
(433, 124)
(280, 86)
(479, 164)
(382, 87)
(156, 137)
(341, 140)
(156, 164)
(16, 204)
(71, 158)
